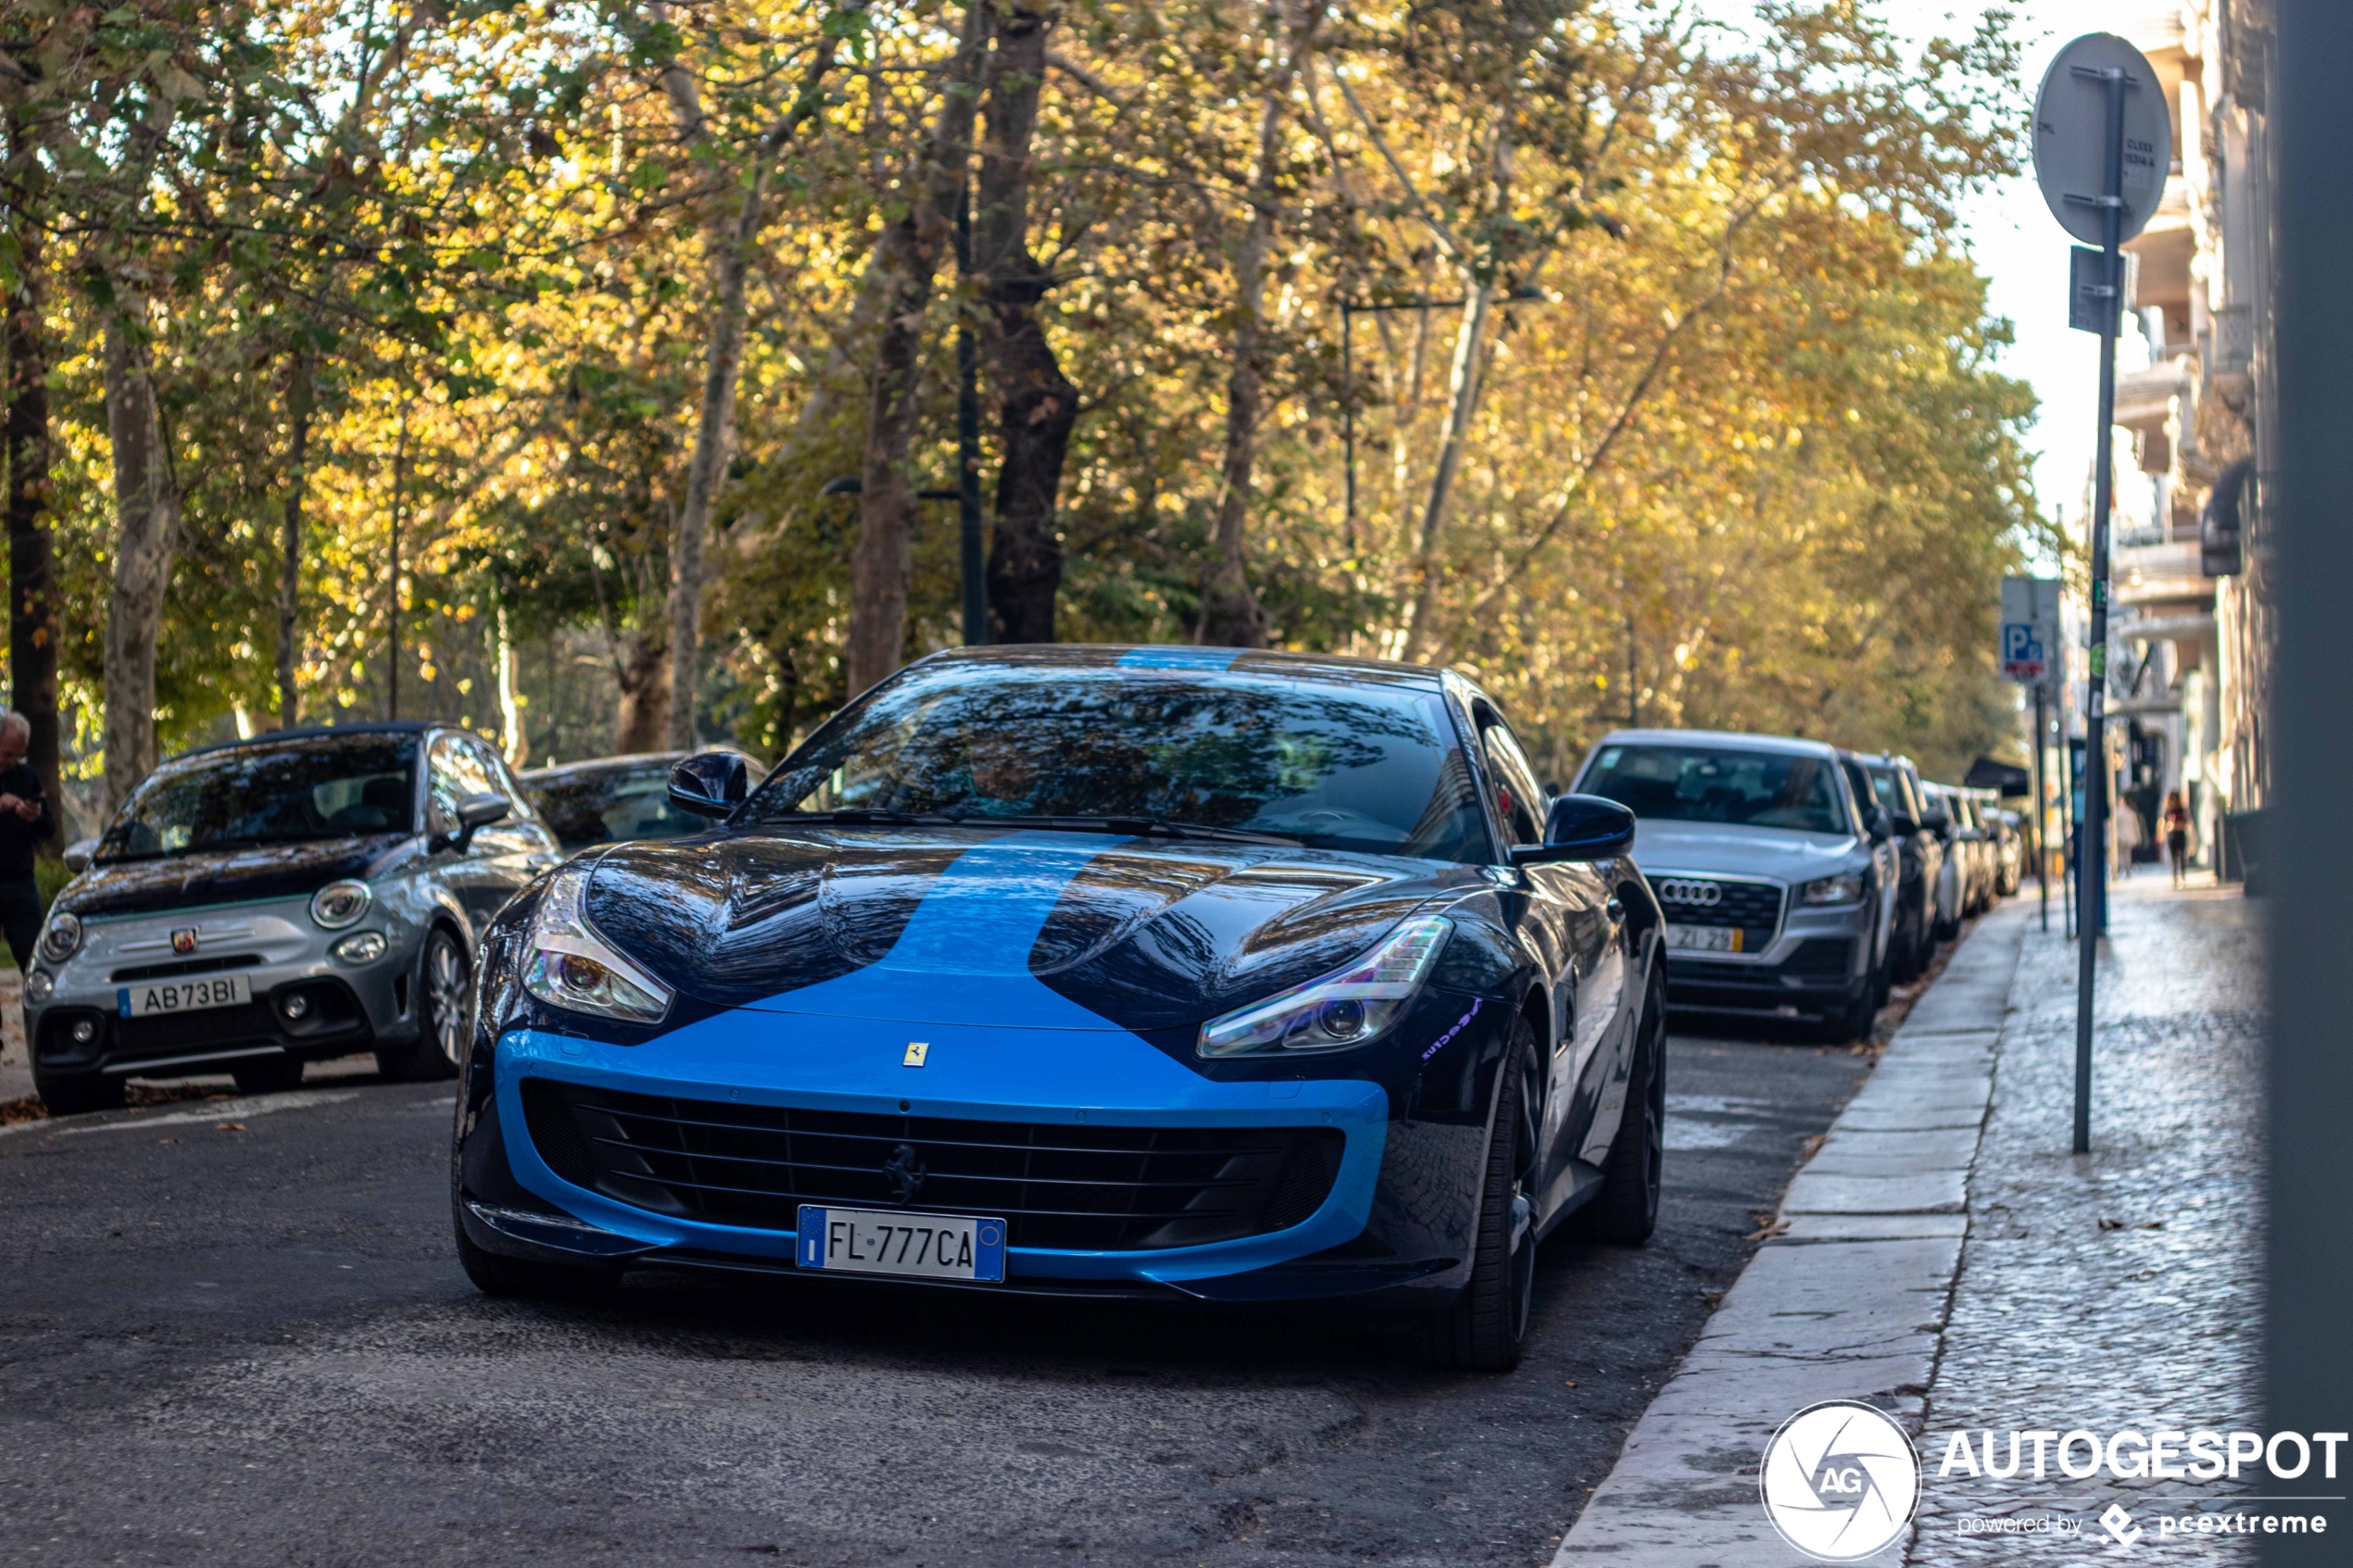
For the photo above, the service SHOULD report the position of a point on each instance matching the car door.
(473, 876)
(1570, 917)
(1886, 861)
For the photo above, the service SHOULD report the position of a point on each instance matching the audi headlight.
(1831, 890)
(1346, 1008)
(340, 903)
(573, 968)
(62, 937)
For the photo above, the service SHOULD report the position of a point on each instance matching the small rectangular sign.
(2029, 636)
(2090, 290)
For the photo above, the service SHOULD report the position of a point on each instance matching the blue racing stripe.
(1177, 659)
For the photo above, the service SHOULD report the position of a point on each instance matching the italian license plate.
(870, 1241)
(183, 996)
(1704, 939)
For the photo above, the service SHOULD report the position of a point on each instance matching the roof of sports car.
(1187, 655)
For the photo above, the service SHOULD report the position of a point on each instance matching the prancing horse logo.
(184, 940)
(906, 1173)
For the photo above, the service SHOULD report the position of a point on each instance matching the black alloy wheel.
(444, 1015)
(70, 1094)
(1626, 1211)
(269, 1076)
(1484, 1330)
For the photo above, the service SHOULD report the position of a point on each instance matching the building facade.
(2191, 628)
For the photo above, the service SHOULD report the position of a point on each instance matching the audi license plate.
(183, 996)
(1704, 939)
(868, 1241)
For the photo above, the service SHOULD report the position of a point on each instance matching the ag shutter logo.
(1839, 1481)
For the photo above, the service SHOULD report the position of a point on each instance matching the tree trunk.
(1462, 401)
(1036, 404)
(716, 424)
(907, 257)
(512, 743)
(32, 577)
(301, 397)
(147, 541)
(1231, 615)
(642, 721)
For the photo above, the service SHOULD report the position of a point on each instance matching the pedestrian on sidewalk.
(2177, 837)
(25, 822)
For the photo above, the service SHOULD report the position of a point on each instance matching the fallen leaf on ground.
(1767, 1231)
(231, 1126)
(2108, 1224)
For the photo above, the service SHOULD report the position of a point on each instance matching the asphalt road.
(233, 1330)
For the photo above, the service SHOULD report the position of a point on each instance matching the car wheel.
(1853, 1021)
(445, 1004)
(495, 1273)
(70, 1094)
(1627, 1209)
(269, 1076)
(1484, 1329)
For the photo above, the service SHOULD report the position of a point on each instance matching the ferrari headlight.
(1831, 890)
(340, 903)
(62, 937)
(1346, 1008)
(571, 967)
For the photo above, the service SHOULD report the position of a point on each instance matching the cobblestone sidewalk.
(2118, 1290)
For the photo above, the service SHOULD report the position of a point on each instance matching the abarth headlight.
(360, 946)
(1348, 1007)
(340, 903)
(569, 966)
(1831, 890)
(61, 938)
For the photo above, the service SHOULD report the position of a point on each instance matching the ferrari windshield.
(326, 786)
(1704, 784)
(1364, 768)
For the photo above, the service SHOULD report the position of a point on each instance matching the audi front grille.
(1754, 907)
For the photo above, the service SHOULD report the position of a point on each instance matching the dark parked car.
(612, 799)
(262, 904)
(1896, 786)
(1178, 974)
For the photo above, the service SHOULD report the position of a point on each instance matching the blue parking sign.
(2022, 658)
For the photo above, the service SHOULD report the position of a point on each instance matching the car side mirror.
(1936, 822)
(474, 811)
(1581, 827)
(1905, 826)
(78, 855)
(710, 783)
(1878, 824)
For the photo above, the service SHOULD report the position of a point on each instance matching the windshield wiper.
(860, 817)
(1140, 827)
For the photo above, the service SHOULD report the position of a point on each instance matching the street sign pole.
(2041, 811)
(2100, 124)
(2091, 854)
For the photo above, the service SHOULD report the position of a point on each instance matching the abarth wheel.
(445, 1016)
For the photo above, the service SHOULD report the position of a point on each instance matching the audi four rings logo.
(1676, 890)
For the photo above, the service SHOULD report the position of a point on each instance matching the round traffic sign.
(2070, 136)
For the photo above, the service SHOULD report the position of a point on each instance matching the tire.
(1484, 1329)
(445, 1022)
(72, 1094)
(495, 1273)
(1853, 1021)
(271, 1075)
(1627, 1209)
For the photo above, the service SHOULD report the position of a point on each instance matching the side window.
(1519, 800)
(502, 779)
(458, 772)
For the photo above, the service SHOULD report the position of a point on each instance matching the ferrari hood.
(976, 925)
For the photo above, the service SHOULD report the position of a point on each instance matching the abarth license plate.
(1704, 939)
(871, 1241)
(183, 996)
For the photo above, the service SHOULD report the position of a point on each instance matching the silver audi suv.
(1777, 884)
(265, 903)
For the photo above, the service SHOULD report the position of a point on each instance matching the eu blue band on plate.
(123, 1000)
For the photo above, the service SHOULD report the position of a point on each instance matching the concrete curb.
(1847, 1303)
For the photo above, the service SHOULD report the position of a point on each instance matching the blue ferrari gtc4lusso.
(1178, 973)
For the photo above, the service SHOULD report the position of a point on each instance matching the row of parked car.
(1800, 881)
